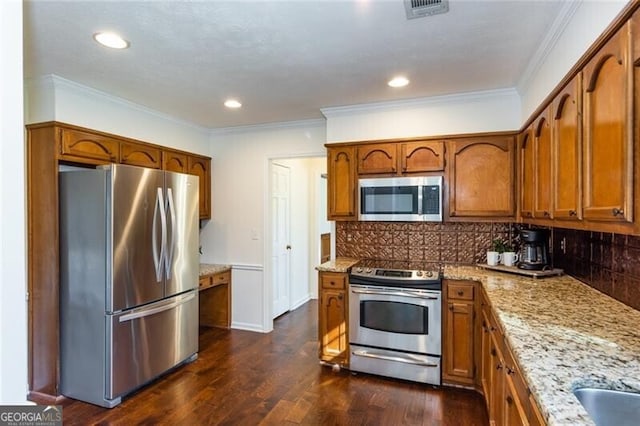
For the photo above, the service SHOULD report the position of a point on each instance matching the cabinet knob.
(509, 400)
(493, 352)
(340, 296)
(499, 367)
(451, 307)
(510, 371)
(547, 214)
(617, 212)
(460, 292)
(573, 213)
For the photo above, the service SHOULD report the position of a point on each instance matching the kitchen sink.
(610, 407)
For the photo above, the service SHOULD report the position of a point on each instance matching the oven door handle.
(395, 293)
(394, 358)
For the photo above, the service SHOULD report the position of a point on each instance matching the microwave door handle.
(395, 293)
(420, 200)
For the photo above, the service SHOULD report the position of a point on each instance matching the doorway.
(297, 218)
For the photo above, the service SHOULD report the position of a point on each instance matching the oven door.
(396, 318)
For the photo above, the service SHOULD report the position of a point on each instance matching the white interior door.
(281, 242)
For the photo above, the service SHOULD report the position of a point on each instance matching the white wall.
(55, 98)
(589, 20)
(239, 226)
(13, 283)
(477, 112)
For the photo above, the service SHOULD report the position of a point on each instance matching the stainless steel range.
(395, 321)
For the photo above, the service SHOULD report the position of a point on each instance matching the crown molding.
(59, 82)
(550, 40)
(315, 122)
(417, 102)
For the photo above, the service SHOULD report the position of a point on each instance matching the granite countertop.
(210, 268)
(564, 335)
(340, 264)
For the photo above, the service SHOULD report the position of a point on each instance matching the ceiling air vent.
(422, 8)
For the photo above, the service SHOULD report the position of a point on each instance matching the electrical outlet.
(563, 245)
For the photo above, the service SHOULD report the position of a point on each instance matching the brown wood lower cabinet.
(333, 318)
(508, 398)
(215, 300)
(459, 332)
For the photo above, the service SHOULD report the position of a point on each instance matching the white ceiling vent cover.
(422, 8)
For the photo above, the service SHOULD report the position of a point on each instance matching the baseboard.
(46, 399)
(248, 327)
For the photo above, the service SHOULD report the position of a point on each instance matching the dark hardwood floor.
(245, 378)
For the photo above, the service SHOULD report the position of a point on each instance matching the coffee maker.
(534, 252)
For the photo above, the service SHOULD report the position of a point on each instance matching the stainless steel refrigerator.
(129, 267)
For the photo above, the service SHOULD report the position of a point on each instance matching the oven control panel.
(395, 274)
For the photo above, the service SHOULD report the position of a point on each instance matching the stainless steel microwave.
(403, 199)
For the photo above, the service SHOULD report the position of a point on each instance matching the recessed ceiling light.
(111, 40)
(398, 82)
(232, 103)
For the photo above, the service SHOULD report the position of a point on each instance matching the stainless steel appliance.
(401, 199)
(395, 322)
(129, 269)
(534, 253)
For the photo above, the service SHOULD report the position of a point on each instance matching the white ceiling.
(284, 60)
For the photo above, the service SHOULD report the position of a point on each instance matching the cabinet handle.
(510, 371)
(617, 212)
(460, 292)
(546, 214)
(573, 213)
(499, 367)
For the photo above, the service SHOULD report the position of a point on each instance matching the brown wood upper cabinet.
(94, 148)
(608, 131)
(567, 151)
(201, 167)
(542, 166)
(481, 179)
(396, 158)
(377, 158)
(422, 156)
(137, 154)
(527, 188)
(341, 183)
(175, 161)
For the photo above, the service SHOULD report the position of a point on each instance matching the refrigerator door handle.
(156, 308)
(158, 260)
(172, 245)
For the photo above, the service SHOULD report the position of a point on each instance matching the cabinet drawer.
(204, 282)
(336, 281)
(221, 278)
(460, 291)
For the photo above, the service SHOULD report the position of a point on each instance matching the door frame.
(267, 301)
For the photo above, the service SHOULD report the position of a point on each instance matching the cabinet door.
(201, 167)
(377, 158)
(567, 152)
(481, 177)
(341, 183)
(136, 154)
(486, 360)
(422, 156)
(608, 132)
(527, 168)
(459, 361)
(76, 144)
(514, 411)
(542, 180)
(174, 161)
(496, 408)
(333, 326)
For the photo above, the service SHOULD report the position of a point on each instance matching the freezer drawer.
(148, 341)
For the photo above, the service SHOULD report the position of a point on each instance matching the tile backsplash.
(424, 242)
(607, 262)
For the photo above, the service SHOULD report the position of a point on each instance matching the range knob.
(429, 273)
(368, 271)
(358, 269)
(419, 273)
